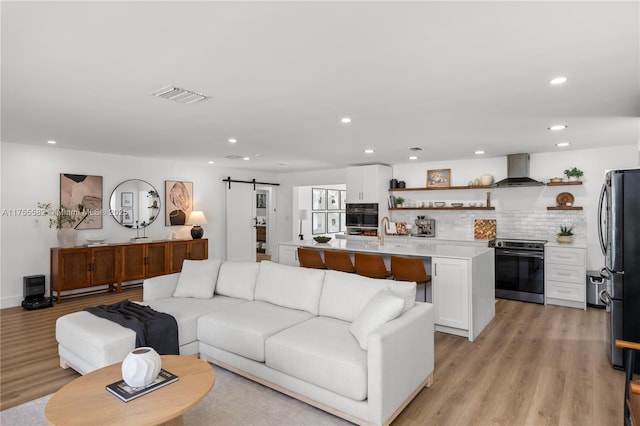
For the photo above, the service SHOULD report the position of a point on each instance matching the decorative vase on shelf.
(141, 367)
(67, 237)
(486, 180)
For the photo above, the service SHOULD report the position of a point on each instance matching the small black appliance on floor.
(34, 297)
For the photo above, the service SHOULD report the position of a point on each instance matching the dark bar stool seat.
(310, 258)
(371, 265)
(410, 269)
(338, 261)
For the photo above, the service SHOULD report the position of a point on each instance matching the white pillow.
(197, 279)
(383, 307)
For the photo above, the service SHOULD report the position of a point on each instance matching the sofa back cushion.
(237, 279)
(290, 286)
(345, 295)
(197, 279)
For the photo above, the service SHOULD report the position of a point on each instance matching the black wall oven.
(363, 215)
(519, 269)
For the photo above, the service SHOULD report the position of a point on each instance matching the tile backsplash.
(510, 223)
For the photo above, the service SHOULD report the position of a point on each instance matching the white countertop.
(413, 247)
(575, 244)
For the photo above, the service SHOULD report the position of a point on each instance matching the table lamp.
(196, 218)
(302, 215)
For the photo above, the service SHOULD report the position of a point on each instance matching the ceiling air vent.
(234, 157)
(177, 94)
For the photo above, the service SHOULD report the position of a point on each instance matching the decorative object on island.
(322, 239)
(141, 367)
(196, 218)
(573, 174)
(565, 235)
(302, 215)
(85, 191)
(179, 202)
(439, 178)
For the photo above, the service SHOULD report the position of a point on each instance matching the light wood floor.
(533, 365)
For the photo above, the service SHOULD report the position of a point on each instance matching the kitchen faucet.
(382, 229)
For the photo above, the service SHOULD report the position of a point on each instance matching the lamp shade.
(302, 214)
(196, 217)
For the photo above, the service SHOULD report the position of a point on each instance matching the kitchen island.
(462, 276)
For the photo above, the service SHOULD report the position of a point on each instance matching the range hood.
(517, 172)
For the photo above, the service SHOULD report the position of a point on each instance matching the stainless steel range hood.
(517, 172)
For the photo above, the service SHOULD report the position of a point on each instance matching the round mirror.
(135, 204)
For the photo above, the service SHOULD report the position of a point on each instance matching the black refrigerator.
(619, 229)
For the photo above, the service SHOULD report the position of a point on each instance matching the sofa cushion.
(243, 329)
(237, 279)
(345, 295)
(187, 310)
(321, 351)
(290, 286)
(383, 307)
(197, 278)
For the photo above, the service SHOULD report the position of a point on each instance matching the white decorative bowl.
(141, 367)
(486, 180)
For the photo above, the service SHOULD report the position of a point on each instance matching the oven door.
(520, 275)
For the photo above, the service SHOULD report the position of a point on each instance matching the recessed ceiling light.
(51, 142)
(558, 127)
(558, 80)
(232, 140)
(369, 151)
(561, 144)
(345, 120)
(413, 157)
(210, 162)
(246, 158)
(479, 152)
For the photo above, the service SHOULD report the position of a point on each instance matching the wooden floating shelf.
(564, 208)
(578, 182)
(442, 208)
(441, 188)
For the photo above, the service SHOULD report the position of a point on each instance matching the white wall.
(31, 174)
(521, 212)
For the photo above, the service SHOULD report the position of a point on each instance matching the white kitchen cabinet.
(450, 286)
(565, 276)
(368, 184)
(288, 255)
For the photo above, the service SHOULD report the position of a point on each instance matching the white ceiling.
(450, 77)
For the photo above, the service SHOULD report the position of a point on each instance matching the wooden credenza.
(81, 270)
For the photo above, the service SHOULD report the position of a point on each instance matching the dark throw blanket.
(155, 329)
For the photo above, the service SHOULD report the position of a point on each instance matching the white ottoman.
(87, 342)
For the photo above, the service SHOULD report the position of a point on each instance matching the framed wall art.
(343, 199)
(178, 203)
(126, 199)
(261, 201)
(333, 199)
(318, 223)
(127, 217)
(84, 191)
(318, 199)
(439, 178)
(333, 222)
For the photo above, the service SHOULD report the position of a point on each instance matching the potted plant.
(66, 221)
(399, 201)
(565, 235)
(573, 174)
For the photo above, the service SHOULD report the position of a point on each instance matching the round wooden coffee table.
(85, 401)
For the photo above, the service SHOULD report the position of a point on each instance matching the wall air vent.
(177, 94)
(234, 157)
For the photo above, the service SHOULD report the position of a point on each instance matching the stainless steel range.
(519, 267)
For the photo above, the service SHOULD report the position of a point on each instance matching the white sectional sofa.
(356, 347)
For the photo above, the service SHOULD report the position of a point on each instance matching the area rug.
(233, 401)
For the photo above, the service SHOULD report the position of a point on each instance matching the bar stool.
(338, 261)
(310, 258)
(371, 265)
(410, 269)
